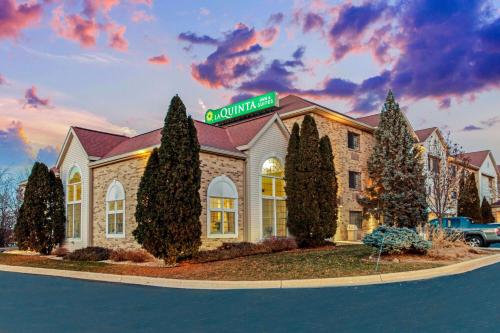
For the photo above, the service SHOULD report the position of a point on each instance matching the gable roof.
(371, 120)
(241, 133)
(477, 158)
(97, 143)
(424, 134)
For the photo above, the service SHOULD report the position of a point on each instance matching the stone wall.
(129, 173)
(345, 160)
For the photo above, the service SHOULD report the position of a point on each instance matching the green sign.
(242, 108)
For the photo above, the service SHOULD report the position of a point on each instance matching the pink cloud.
(14, 17)
(116, 38)
(91, 7)
(141, 16)
(159, 60)
(33, 100)
(2, 80)
(142, 2)
(75, 27)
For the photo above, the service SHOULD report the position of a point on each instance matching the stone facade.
(345, 160)
(129, 172)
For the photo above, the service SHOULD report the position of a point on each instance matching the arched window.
(273, 199)
(74, 204)
(222, 208)
(115, 210)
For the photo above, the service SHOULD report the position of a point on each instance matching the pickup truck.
(475, 234)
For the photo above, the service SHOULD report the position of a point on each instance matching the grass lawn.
(316, 263)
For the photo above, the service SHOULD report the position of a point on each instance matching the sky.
(114, 65)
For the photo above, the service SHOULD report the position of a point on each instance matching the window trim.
(213, 182)
(68, 177)
(358, 148)
(273, 197)
(349, 181)
(106, 201)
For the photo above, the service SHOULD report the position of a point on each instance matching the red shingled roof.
(477, 158)
(423, 134)
(372, 120)
(241, 133)
(97, 143)
(208, 135)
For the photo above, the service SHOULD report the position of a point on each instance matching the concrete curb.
(453, 269)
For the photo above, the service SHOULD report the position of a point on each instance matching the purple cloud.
(196, 39)
(14, 147)
(32, 99)
(240, 97)
(312, 22)
(470, 128)
(275, 19)
(2, 80)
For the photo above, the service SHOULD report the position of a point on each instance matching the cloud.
(84, 27)
(14, 147)
(47, 155)
(142, 2)
(236, 56)
(240, 97)
(470, 128)
(490, 122)
(161, 59)
(275, 19)
(31, 99)
(14, 18)
(117, 39)
(141, 16)
(312, 22)
(2, 80)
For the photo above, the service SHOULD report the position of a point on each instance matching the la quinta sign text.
(242, 108)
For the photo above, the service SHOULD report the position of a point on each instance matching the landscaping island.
(324, 262)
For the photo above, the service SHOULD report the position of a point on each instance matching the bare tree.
(447, 165)
(9, 204)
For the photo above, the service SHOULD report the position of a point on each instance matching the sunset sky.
(115, 64)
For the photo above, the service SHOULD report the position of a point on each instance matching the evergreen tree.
(40, 226)
(471, 202)
(294, 194)
(397, 191)
(147, 231)
(486, 213)
(327, 191)
(177, 228)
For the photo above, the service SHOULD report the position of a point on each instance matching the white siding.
(272, 143)
(488, 181)
(76, 155)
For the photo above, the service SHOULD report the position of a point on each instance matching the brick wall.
(129, 173)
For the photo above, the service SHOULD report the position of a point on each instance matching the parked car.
(475, 234)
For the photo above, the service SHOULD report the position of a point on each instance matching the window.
(222, 208)
(356, 218)
(74, 204)
(354, 180)
(434, 164)
(115, 210)
(353, 140)
(274, 213)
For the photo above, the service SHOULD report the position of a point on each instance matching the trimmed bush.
(235, 250)
(91, 253)
(136, 256)
(396, 240)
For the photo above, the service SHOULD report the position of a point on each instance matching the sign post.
(242, 108)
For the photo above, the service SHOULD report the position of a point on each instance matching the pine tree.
(294, 194)
(486, 213)
(41, 221)
(397, 191)
(179, 203)
(147, 231)
(327, 191)
(471, 202)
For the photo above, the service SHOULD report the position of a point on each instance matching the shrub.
(276, 244)
(130, 255)
(91, 253)
(396, 240)
(60, 252)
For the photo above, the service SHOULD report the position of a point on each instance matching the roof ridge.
(242, 121)
(98, 131)
(151, 131)
(427, 128)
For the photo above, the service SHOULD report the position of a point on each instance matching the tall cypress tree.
(395, 168)
(179, 204)
(40, 225)
(471, 204)
(327, 188)
(486, 213)
(294, 194)
(147, 232)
